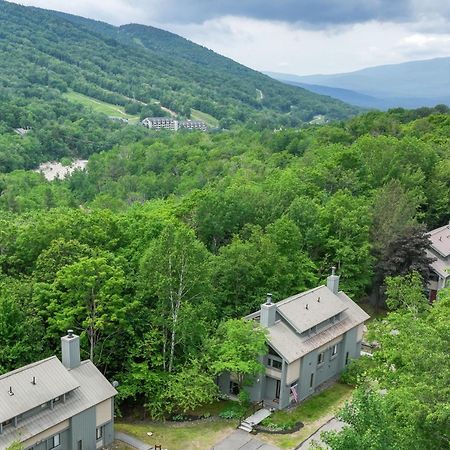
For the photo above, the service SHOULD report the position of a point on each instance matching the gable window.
(334, 350)
(274, 363)
(55, 441)
(320, 358)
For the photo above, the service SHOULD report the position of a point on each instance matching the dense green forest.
(216, 220)
(162, 239)
(137, 66)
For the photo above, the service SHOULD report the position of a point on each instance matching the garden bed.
(278, 430)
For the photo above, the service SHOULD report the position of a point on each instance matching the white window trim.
(55, 441)
(320, 358)
(334, 350)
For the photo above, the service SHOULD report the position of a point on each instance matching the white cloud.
(276, 46)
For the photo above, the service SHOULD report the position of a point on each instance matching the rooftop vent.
(70, 334)
(268, 298)
(10, 392)
(306, 306)
(33, 381)
(318, 299)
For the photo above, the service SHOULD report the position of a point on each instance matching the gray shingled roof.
(440, 240)
(52, 380)
(93, 389)
(310, 308)
(439, 265)
(291, 346)
(289, 343)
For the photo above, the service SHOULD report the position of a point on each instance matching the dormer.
(312, 311)
(29, 390)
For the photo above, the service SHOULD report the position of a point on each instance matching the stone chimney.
(333, 281)
(70, 349)
(268, 312)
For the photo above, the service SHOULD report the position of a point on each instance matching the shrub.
(355, 371)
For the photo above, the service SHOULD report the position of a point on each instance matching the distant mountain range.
(135, 64)
(410, 85)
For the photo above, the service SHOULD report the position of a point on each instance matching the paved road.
(130, 440)
(332, 425)
(240, 440)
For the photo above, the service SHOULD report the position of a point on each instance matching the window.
(55, 441)
(320, 358)
(274, 363)
(311, 381)
(99, 433)
(335, 318)
(234, 388)
(334, 350)
(80, 445)
(278, 389)
(346, 358)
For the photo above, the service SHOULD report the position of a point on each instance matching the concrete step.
(245, 427)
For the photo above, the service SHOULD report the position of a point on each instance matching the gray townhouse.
(312, 336)
(50, 404)
(440, 267)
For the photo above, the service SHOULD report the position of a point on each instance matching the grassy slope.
(99, 106)
(208, 119)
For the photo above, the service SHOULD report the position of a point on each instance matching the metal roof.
(93, 389)
(52, 380)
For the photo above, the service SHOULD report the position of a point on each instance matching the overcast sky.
(292, 36)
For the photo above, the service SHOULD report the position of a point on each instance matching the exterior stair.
(248, 424)
(245, 426)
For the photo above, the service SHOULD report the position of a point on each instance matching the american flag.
(294, 393)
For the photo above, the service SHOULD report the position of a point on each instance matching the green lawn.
(211, 121)
(313, 412)
(99, 106)
(180, 436)
(201, 435)
(314, 407)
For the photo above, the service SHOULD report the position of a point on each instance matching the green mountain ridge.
(411, 84)
(120, 64)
